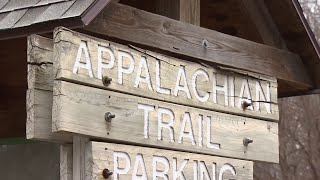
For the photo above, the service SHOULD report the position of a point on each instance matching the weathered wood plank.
(66, 162)
(120, 21)
(39, 93)
(39, 120)
(152, 75)
(133, 162)
(39, 59)
(81, 110)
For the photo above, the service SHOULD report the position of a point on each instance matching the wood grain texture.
(81, 110)
(101, 156)
(154, 31)
(66, 48)
(190, 11)
(79, 153)
(40, 57)
(66, 162)
(39, 93)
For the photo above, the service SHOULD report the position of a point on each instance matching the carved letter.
(139, 161)
(121, 69)
(217, 88)
(186, 134)
(167, 125)
(178, 87)
(156, 173)
(177, 173)
(203, 171)
(266, 97)
(231, 89)
(200, 121)
(209, 143)
(147, 109)
(116, 170)
(226, 167)
(78, 64)
(245, 87)
(194, 79)
(160, 89)
(102, 65)
(146, 79)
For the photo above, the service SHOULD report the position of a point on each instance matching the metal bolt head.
(108, 116)
(245, 105)
(106, 173)
(205, 43)
(247, 141)
(106, 80)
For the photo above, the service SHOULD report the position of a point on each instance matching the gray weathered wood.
(120, 21)
(39, 93)
(102, 156)
(81, 110)
(79, 153)
(68, 43)
(66, 162)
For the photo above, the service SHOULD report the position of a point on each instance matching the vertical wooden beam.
(263, 21)
(187, 11)
(168, 8)
(190, 11)
(79, 146)
(66, 162)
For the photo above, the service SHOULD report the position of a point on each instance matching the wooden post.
(187, 11)
(79, 146)
(263, 21)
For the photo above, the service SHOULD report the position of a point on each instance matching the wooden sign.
(130, 119)
(104, 64)
(133, 162)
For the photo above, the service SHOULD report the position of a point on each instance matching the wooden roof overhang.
(294, 67)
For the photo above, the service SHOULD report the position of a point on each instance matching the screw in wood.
(247, 141)
(106, 173)
(245, 105)
(205, 43)
(108, 116)
(106, 80)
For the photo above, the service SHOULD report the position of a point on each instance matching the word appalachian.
(128, 65)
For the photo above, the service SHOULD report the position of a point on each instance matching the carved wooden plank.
(133, 162)
(85, 60)
(161, 33)
(82, 109)
(39, 93)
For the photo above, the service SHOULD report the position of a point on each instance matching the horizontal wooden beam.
(156, 32)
